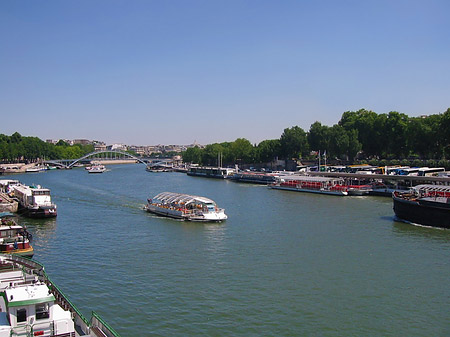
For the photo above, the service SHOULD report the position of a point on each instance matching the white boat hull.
(196, 216)
(320, 191)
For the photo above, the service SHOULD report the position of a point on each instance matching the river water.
(283, 264)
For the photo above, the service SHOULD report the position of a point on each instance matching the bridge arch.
(93, 154)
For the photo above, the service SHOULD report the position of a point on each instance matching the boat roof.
(6, 182)
(7, 227)
(213, 168)
(429, 187)
(30, 189)
(169, 197)
(309, 178)
(27, 295)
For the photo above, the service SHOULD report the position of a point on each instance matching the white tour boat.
(185, 207)
(322, 185)
(32, 305)
(97, 169)
(34, 201)
(37, 168)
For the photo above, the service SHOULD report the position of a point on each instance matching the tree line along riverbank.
(361, 135)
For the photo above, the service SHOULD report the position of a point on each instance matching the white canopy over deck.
(179, 198)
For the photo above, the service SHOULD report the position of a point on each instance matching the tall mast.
(318, 170)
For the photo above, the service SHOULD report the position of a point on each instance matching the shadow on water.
(414, 230)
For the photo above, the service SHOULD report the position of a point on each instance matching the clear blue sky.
(171, 72)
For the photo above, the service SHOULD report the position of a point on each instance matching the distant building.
(99, 146)
(139, 150)
(117, 147)
(82, 141)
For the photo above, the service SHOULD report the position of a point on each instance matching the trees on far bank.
(363, 133)
(16, 148)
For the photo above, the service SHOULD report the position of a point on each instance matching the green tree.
(420, 138)
(354, 146)
(444, 133)
(339, 142)
(293, 142)
(242, 151)
(268, 150)
(395, 133)
(192, 155)
(319, 137)
(211, 153)
(367, 123)
(62, 143)
(16, 138)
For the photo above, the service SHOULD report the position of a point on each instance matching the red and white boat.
(14, 239)
(300, 183)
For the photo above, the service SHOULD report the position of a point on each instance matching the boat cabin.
(214, 172)
(29, 196)
(14, 238)
(185, 201)
(30, 309)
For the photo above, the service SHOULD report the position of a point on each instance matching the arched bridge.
(104, 154)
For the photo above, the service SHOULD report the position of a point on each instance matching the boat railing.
(97, 323)
(36, 268)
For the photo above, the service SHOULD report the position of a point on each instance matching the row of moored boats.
(424, 204)
(30, 303)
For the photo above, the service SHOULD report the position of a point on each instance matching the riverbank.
(7, 204)
(15, 168)
(22, 167)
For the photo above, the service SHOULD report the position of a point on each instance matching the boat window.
(42, 311)
(21, 315)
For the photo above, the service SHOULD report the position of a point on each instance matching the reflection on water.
(43, 231)
(215, 235)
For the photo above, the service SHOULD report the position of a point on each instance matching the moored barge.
(427, 205)
(34, 201)
(211, 172)
(254, 177)
(316, 184)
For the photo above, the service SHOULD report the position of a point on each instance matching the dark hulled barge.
(427, 205)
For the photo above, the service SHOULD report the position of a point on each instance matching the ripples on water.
(283, 264)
